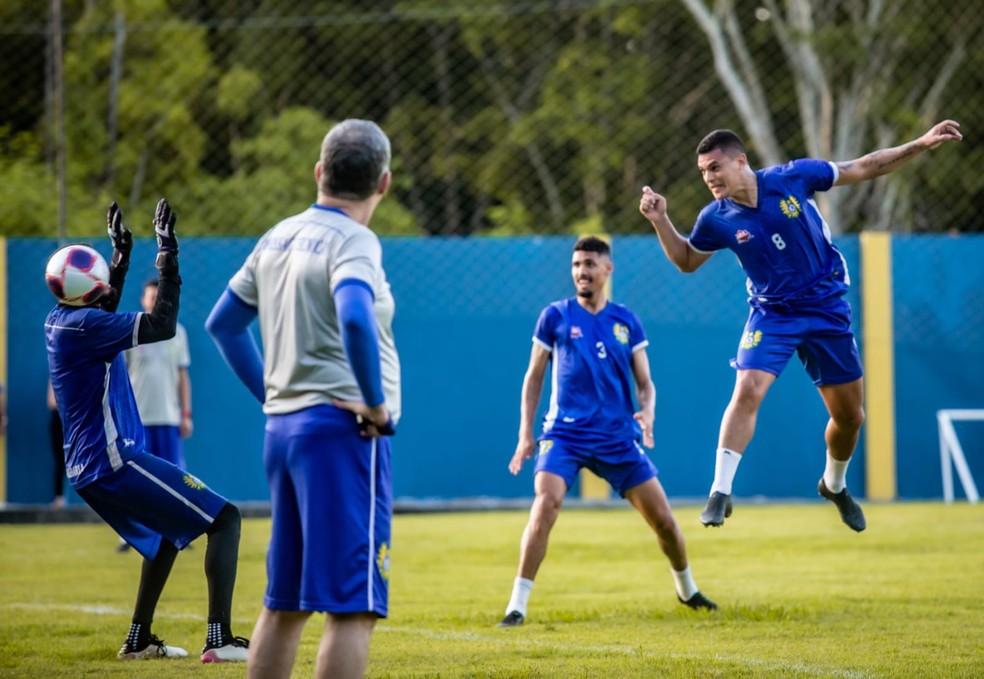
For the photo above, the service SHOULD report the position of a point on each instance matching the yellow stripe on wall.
(879, 365)
(3, 363)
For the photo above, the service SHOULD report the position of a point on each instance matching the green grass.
(800, 594)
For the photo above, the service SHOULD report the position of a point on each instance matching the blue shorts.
(149, 499)
(624, 464)
(164, 441)
(821, 337)
(332, 503)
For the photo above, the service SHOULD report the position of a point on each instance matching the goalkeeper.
(156, 507)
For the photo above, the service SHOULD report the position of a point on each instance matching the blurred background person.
(162, 387)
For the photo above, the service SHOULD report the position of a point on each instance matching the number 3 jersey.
(783, 243)
(592, 386)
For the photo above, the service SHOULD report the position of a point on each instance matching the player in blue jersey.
(796, 282)
(155, 506)
(597, 349)
(329, 382)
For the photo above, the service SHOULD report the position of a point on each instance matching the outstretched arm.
(653, 207)
(162, 322)
(122, 241)
(532, 386)
(887, 160)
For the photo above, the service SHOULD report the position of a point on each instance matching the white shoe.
(233, 649)
(155, 649)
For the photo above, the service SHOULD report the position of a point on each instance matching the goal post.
(951, 452)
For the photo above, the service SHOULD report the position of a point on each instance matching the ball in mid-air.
(77, 275)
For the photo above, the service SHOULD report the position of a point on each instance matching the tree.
(857, 81)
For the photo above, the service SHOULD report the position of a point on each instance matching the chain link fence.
(506, 116)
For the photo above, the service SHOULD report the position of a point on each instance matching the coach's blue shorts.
(332, 504)
(623, 464)
(148, 499)
(164, 441)
(821, 337)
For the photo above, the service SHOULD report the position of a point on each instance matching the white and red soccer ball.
(77, 275)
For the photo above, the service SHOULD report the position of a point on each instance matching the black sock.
(139, 635)
(218, 634)
(221, 559)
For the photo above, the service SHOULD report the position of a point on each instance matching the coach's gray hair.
(355, 155)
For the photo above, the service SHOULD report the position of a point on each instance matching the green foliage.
(505, 117)
(800, 595)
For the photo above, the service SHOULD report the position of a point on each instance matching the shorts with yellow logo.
(621, 462)
(820, 336)
(332, 501)
(149, 499)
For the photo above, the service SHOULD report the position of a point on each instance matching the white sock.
(520, 596)
(725, 467)
(684, 581)
(835, 474)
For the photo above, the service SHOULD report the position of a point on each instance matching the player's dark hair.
(151, 283)
(354, 156)
(726, 140)
(592, 244)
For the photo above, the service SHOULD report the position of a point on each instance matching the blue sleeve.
(637, 334)
(228, 324)
(105, 334)
(816, 175)
(704, 237)
(546, 327)
(353, 304)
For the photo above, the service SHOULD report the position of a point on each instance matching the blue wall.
(465, 314)
(939, 355)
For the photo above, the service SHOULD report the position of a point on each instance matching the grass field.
(800, 596)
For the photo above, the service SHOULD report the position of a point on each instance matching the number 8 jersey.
(783, 243)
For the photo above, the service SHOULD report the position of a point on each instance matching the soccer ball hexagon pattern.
(77, 275)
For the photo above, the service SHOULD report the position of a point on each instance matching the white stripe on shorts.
(170, 490)
(372, 521)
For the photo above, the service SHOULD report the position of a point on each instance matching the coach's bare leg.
(344, 649)
(741, 415)
(550, 490)
(845, 403)
(650, 499)
(274, 643)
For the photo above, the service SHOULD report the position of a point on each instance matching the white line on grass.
(770, 665)
(109, 610)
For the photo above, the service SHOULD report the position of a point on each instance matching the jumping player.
(796, 283)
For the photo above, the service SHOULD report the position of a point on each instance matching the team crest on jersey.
(545, 446)
(790, 207)
(383, 560)
(621, 333)
(750, 340)
(193, 482)
(742, 236)
(576, 332)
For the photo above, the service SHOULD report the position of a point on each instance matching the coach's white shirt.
(290, 277)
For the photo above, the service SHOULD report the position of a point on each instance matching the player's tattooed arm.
(887, 160)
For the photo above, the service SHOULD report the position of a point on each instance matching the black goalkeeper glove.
(167, 243)
(164, 220)
(118, 233)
